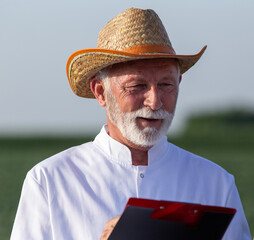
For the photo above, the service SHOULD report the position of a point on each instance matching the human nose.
(152, 99)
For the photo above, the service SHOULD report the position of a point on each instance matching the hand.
(109, 226)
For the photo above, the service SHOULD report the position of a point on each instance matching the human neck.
(139, 157)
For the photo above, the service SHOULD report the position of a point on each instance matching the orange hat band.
(149, 49)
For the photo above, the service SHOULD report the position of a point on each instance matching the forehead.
(143, 66)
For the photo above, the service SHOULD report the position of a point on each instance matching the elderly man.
(134, 73)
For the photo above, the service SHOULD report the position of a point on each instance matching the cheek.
(169, 101)
(130, 103)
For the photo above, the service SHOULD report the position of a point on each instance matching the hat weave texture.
(133, 34)
(133, 27)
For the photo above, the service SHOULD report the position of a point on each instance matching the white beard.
(126, 122)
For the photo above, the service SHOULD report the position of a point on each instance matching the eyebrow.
(141, 79)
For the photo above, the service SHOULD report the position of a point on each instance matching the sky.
(37, 38)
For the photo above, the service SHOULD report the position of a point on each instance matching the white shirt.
(71, 195)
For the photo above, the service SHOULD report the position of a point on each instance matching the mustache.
(149, 113)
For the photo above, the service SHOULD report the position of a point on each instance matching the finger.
(109, 228)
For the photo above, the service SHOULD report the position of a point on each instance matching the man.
(134, 73)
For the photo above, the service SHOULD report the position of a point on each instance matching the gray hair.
(103, 75)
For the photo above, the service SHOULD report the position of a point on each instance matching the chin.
(145, 138)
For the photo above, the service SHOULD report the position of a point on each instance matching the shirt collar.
(118, 152)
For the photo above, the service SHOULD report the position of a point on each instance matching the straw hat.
(133, 34)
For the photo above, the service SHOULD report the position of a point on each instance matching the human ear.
(98, 90)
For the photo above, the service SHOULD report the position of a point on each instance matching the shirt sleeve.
(32, 219)
(238, 228)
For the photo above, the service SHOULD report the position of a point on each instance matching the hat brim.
(88, 62)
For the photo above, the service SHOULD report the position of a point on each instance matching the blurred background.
(40, 116)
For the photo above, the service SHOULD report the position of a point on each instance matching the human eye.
(136, 87)
(166, 85)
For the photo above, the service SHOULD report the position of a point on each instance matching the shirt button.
(141, 175)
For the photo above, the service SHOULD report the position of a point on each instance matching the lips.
(150, 119)
(149, 122)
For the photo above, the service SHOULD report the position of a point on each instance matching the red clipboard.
(153, 219)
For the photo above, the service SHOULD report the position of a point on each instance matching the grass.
(226, 139)
(17, 156)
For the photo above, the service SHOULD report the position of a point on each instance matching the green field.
(226, 139)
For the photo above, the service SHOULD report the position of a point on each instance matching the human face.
(126, 123)
(141, 103)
